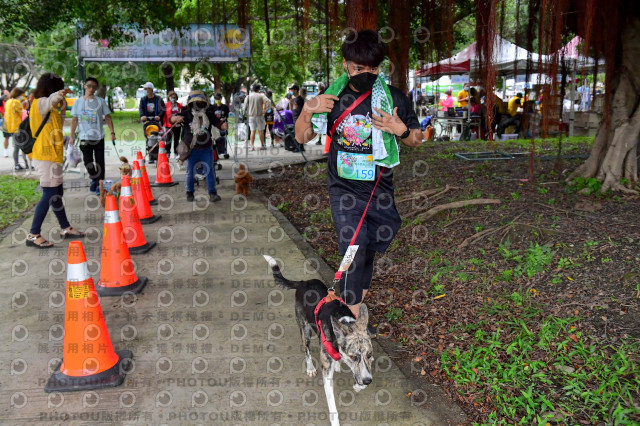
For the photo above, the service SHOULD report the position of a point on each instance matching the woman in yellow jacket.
(12, 120)
(47, 156)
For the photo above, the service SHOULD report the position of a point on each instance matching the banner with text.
(194, 43)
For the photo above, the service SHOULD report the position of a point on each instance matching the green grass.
(130, 103)
(127, 125)
(535, 377)
(17, 195)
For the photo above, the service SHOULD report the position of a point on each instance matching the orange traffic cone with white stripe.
(145, 179)
(117, 275)
(163, 170)
(88, 358)
(131, 227)
(144, 210)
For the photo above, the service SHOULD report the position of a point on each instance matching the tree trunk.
(614, 151)
(399, 17)
(361, 14)
(168, 72)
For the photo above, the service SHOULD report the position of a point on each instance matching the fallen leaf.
(573, 337)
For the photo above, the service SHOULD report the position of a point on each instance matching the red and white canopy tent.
(508, 60)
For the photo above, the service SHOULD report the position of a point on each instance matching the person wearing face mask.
(222, 112)
(200, 127)
(296, 103)
(364, 119)
(172, 107)
(151, 109)
(89, 114)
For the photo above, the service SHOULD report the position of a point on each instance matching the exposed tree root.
(428, 201)
(456, 205)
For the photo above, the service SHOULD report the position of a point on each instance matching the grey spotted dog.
(342, 336)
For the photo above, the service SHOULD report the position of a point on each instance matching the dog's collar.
(328, 346)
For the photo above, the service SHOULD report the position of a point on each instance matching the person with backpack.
(12, 119)
(221, 111)
(269, 117)
(200, 127)
(90, 113)
(151, 108)
(45, 125)
(364, 119)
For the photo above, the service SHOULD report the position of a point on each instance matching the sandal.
(31, 242)
(72, 233)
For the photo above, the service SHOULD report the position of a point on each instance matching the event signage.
(194, 43)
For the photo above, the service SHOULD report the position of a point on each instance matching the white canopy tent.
(508, 59)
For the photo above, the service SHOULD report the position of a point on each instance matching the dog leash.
(344, 265)
(352, 249)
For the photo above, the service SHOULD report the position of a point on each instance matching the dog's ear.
(363, 318)
(339, 329)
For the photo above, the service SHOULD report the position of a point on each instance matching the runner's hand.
(143, 118)
(388, 123)
(156, 118)
(320, 104)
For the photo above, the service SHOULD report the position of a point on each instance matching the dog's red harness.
(333, 353)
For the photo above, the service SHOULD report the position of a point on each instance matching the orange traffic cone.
(131, 227)
(145, 179)
(88, 359)
(163, 171)
(116, 270)
(144, 211)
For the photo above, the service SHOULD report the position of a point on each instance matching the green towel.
(385, 146)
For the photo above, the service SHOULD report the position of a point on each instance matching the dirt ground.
(449, 271)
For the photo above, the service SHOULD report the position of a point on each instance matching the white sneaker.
(6, 153)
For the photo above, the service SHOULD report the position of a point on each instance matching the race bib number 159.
(356, 166)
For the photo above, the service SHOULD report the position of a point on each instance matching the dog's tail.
(280, 280)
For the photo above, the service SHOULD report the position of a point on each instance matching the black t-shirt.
(298, 104)
(221, 111)
(203, 140)
(353, 136)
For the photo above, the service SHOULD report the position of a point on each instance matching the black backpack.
(268, 116)
(23, 137)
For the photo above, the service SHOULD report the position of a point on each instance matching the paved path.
(214, 341)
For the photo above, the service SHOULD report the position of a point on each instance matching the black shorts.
(7, 134)
(378, 229)
(380, 225)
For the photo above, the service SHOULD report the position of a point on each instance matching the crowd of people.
(200, 124)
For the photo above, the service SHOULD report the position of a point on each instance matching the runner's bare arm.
(394, 125)
(318, 104)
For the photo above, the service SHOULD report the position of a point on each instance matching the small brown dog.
(243, 180)
(125, 169)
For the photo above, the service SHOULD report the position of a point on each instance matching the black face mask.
(199, 106)
(363, 82)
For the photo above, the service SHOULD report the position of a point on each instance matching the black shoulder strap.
(46, 117)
